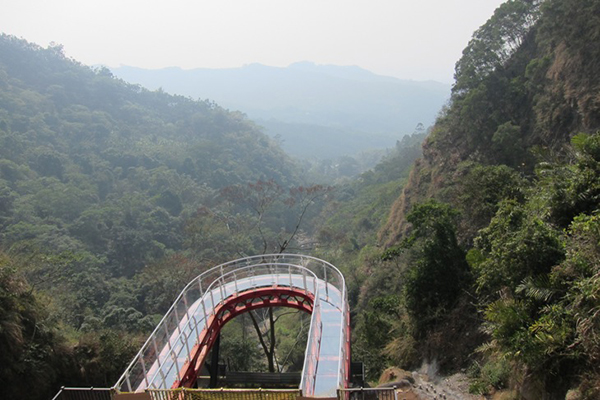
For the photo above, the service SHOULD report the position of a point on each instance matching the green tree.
(573, 187)
(538, 283)
(439, 271)
(480, 192)
(517, 244)
(33, 356)
(238, 347)
(494, 43)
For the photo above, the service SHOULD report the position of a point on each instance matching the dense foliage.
(112, 198)
(493, 243)
(537, 278)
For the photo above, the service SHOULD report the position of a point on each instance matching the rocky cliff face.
(537, 98)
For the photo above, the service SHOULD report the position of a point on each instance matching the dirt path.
(455, 387)
(421, 386)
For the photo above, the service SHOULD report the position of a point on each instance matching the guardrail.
(171, 338)
(159, 363)
(223, 394)
(313, 344)
(70, 393)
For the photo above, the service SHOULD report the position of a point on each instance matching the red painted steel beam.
(253, 299)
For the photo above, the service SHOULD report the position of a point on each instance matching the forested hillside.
(112, 197)
(319, 112)
(489, 260)
(481, 256)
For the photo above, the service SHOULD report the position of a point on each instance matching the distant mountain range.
(320, 111)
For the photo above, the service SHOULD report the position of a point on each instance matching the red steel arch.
(242, 302)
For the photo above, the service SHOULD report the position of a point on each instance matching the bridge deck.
(325, 349)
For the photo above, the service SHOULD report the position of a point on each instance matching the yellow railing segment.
(223, 394)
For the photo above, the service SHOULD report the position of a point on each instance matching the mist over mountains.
(317, 111)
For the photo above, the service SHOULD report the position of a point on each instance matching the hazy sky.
(417, 39)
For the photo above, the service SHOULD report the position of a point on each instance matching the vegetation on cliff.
(511, 170)
(482, 255)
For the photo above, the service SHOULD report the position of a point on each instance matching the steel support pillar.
(214, 362)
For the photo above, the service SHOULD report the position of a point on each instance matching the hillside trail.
(425, 384)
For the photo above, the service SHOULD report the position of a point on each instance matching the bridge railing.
(309, 370)
(180, 324)
(71, 393)
(161, 359)
(387, 393)
(220, 394)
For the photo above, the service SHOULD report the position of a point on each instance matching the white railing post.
(185, 303)
(174, 358)
(221, 290)
(212, 301)
(196, 325)
(304, 281)
(141, 360)
(160, 371)
(204, 310)
(326, 284)
(187, 346)
(178, 320)
(128, 382)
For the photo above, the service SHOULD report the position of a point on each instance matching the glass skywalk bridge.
(175, 352)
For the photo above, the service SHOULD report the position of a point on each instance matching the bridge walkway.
(176, 350)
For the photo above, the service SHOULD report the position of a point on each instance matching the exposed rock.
(394, 375)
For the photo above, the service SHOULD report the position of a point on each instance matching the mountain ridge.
(348, 98)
